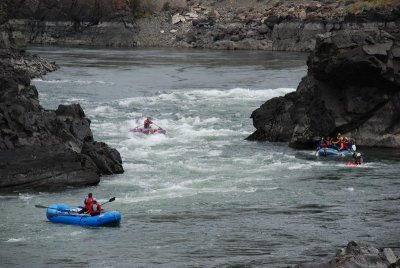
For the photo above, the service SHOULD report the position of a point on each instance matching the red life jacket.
(88, 202)
(95, 209)
(147, 122)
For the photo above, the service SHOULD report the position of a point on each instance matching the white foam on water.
(271, 188)
(25, 197)
(209, 95)
(63, 81)
(16, 240)
(76, 100)
(350, 189)
(8, 197)
(250, 190)
(76, 233)
(214, 153)
(154, 211)
(172, 192)
(197, 168)
(106, 109)
(240, 93)
(299, 166)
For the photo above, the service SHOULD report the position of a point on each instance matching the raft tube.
(61, 213)
(334, 152)
(148, 130)
(352, 164)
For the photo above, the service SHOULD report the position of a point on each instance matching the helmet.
(94, 201)
(358, 154)
(90, 194)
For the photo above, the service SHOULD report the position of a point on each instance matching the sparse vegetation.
(166, 6)
(360, 5)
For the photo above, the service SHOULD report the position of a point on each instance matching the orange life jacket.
(88, 202)
(95, 209)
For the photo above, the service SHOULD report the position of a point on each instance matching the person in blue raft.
(95, 209)
(91, 206)
(338, 146)
(87, 203)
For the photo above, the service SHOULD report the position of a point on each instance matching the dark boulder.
(352, 87)
(43, 149)
(357, 255)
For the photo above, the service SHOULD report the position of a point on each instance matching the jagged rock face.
(46, 149)
(352, 87)
(43, 149)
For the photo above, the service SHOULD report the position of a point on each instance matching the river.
(199, 196)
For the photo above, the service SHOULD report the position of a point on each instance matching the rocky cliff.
(39, 148)
(352, 87)
(242, 24)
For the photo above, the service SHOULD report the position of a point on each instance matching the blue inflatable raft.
(334, 152)
(61, 213)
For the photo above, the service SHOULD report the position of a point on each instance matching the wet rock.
(356, 255)
(43, 149)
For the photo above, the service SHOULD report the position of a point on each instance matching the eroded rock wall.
(242, 24)
(39, 148)
(352, 87)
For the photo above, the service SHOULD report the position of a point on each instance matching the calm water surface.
(200, 196)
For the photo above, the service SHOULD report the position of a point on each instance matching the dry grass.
(145, 8)
(360, 5)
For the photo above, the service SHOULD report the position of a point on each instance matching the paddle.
(109, 201)
(136, 127)
(62, 210)
(157, 125)
(41, 206)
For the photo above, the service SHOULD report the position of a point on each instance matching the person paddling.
(147, 123)
(95, 208)
(87, 203)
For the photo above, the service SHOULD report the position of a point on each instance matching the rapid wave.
(214, 95)
(63, 81)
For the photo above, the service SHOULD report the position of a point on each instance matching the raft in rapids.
(61, 213)
(148, 130)
(334, 152)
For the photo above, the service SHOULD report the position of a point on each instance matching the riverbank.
(270, 25)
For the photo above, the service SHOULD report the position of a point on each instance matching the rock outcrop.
(352, 87)
(39, 148)
(43, 148)
(357, 255)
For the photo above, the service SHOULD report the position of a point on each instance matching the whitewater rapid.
(201, 195)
